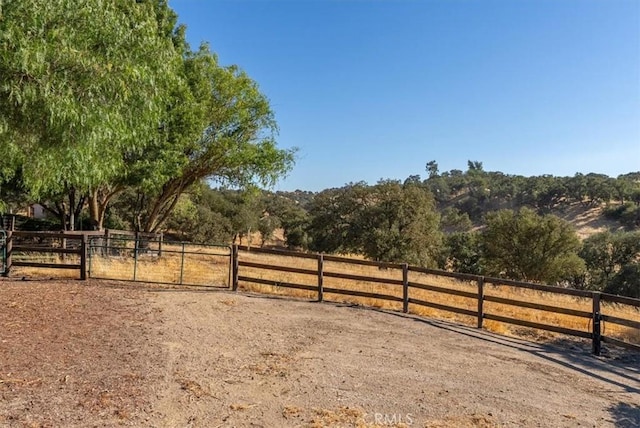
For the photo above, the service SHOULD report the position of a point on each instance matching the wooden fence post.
(135, 257)
(236, 266)
(63, 245)
(84, 252)
(107, 242)
(320, 277)
(9, 250)
(405, 288)
(596, 345)
(480, 301)
(160, 240)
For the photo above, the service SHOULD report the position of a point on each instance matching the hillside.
(588, 220)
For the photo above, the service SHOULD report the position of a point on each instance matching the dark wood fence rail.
(80, 250)
(593, 318)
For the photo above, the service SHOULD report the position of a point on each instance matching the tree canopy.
(526, 246)
(389, 221)
(102, 96)
(80, 82)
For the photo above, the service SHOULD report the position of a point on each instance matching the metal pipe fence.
(159, 262)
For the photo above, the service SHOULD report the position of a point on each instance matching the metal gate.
(155, 261)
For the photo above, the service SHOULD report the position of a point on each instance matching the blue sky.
(371, 89)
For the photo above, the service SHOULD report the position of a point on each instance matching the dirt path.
(207, 359)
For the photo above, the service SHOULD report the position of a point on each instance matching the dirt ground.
(97, 353)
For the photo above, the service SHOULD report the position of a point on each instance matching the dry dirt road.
(76, 354)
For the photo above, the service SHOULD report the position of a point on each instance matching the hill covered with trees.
(471, 221)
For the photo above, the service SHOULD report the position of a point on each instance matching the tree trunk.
(78, 210)
(72, 210)
(99, 202)
(164, 205)
(94, 211)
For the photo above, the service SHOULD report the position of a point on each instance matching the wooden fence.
(595, 317)
(76, 243)
(60, 243)
(13, 247)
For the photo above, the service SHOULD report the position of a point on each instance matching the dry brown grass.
(200, 265)
(523, 294)
(46, 272)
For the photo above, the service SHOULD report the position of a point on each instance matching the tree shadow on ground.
(617, 368)
(625, 415)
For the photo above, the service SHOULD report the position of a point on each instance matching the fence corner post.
(84, 252)
(405, 287)
(480, 301)
(235, 267)
(107, 242)
(596, 345)
(320, 277)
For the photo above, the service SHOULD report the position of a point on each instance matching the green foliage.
(628, 214)
(545, 192)
(13, 194)
(336, 218)
(626, 282)
(609, 258)
(401, 225)
(104, 97)
(80, 82)
(293, 218)
(211, 227)
(267, 226)
(477, 192)
(432, 169)
(236, 145)
(452, 220)
(38, 224)
(184, 218)
(462, 253)
(388, 221)
(526, 246)
(205, 216)
(240, 209)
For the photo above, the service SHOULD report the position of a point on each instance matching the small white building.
(36, 211)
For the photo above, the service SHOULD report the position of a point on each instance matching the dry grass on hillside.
(587, 220)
